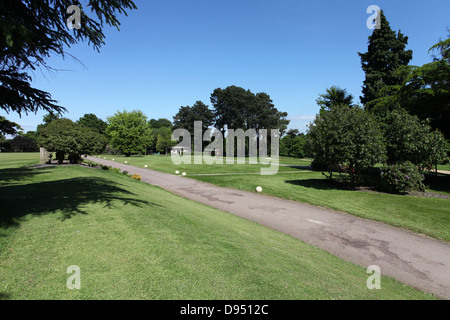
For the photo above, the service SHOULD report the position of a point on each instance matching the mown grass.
(9, 160)
(430, 216)
(135, 241)
(165, 164)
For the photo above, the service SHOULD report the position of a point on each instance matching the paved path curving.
(413, 259)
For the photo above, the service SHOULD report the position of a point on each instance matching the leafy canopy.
(129, 132)
(65, 137)
(345, 137)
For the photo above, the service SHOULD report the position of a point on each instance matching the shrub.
(409, 139)
(402, 178)
(136, 177)
(345, 136)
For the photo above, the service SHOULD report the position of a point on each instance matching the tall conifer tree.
(386, 53)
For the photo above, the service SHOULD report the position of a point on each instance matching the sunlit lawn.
(135, 241)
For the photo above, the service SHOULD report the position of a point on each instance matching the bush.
(402, 178)
(345, 136)
(409, 139)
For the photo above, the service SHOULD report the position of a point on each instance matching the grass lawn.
(164, 164)
(135, 241)
(18, 159)
(430, 216)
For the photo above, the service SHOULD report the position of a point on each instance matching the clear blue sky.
(172, 53)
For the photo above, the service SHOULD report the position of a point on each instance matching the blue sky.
(172, 53)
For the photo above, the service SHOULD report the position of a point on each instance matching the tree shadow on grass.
(439, 182)
(67, 196)
(10, 176)
(320, 184)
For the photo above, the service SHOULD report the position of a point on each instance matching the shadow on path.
(67, 196)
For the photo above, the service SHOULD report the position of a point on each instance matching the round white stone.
(183, 174)
(146, 166)
(259, 189)
(177, 172)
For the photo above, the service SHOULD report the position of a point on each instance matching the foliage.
(8, 127)
(409, 139)
(293, 144)
(162, 122)
(92, 121)
(425, 91)
(31, 31)
(129, 132)
(334, 96)
(164, 140)
(386, 53)
(237, 108)
(345, 136)
(65, 137)
(23, 144)
(187, 115)
(402, 178)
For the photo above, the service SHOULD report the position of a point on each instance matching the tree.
(8, 127)
(31, 31)
(345, 140)
(386, 53)
(293, 144)
(237, 108)
(187, 115)
(65, 137)
(163, 140)
(92, 121)
(46, 120)
(162, 122)
(129, 132)
(334, 96)
(409, 139)
(23, 144)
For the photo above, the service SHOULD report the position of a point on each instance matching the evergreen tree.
(386, 53)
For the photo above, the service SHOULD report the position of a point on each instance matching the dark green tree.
(67, 138)
(386, 53)
(32, 30)
(23, 144)
(8, 127)
(92, 121)
(334, 96)
(237, 108)
(186, 117)
(162, 122)
(293, 144)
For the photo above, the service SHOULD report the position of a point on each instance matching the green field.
(135, 241)
(430, 216)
